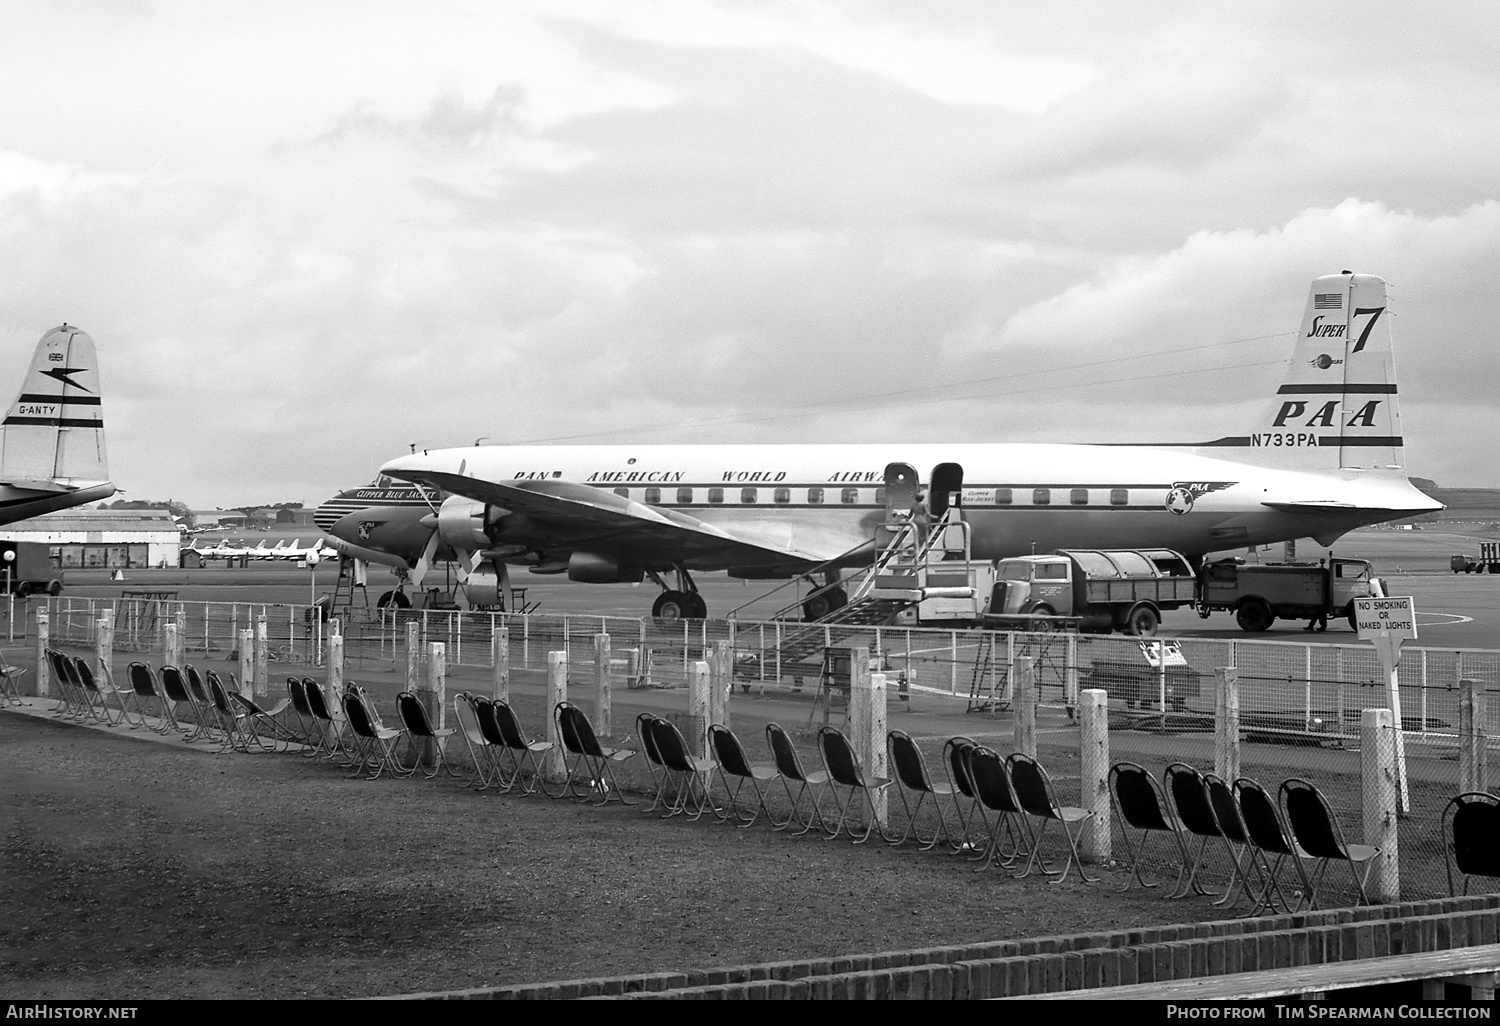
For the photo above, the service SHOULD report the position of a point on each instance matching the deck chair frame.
(789, 765)
(909, 769)
(1317, 832)
(1038, 799)
(730, 761)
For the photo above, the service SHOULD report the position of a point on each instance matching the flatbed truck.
(1095, 591)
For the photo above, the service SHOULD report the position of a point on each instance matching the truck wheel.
(1142, 621)
(1349, 614)
(23, 589)
(1254, 615)
(55, 588)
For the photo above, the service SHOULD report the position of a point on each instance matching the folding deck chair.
(582, 744)
(1231, 822)
(1268, 837)
(232, 722)
(1471, 837)
(74, 706)
(1037, 799)
(174, 690)
(844, 770)
(419, 726)
(954, 752)
(1317, 833)
(482, 751)
(10, 689)
(256, 717)
(912, 776)
(1140, 805)
(989, 778)
(690, 772)
(520, 748)
(307, 723)
(330, 727)
(143, 686)
(654, 766)
(102, 691)
(789, 765)
(729, 754)
(1188, 792)
(375, 743)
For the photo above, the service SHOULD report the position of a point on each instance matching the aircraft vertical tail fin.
(54, 430)
(1337, 405)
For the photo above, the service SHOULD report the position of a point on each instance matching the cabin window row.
(752, 496)
(1060, 496)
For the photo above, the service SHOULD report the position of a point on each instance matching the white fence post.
(700, 707)
(413, 655)
(603, 685)
(1024, 705)
(1227, 723)
(1473, 737)
(104, 645)
(554, 766)
(334, 670)
(1093, 773)
(262, 657)
(1378, 781)
(434, 697)
(721, 670)
(43, 642)
(247, 662)
(500, 662)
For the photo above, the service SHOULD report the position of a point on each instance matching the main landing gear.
(680, 603)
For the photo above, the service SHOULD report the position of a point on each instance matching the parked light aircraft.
(52, 441)
(1322, 458)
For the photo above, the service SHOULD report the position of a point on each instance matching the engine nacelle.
(591, 568)
(461, 523)
(486, 586)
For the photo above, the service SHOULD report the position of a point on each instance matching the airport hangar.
(105, 538)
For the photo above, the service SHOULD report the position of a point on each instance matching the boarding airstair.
(918, 564)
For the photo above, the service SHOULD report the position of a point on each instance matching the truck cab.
(1033, 586)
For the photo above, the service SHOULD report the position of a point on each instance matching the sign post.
(1387, 622)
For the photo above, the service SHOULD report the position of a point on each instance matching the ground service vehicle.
(1102, 589)
(1489, 560)
(1258, 593)
(25, 568)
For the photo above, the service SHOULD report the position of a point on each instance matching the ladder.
(989, 691)
(343, 589)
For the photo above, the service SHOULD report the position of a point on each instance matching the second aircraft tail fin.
(53, 433)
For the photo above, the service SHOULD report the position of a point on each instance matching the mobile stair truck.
(1259, 593)
(1095, 591)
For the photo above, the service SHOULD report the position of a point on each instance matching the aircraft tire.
(393, 598)
(816, 608)
(699, 610)
(1254, 615)
(672, 605)
(1142, 620)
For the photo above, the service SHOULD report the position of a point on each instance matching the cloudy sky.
(306, 235)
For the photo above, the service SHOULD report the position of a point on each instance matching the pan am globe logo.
(1184, 493)
(1323, 361)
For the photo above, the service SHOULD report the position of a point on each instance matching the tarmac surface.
(1453, 610)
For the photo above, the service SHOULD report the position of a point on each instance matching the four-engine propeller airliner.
(1323, 457)
(52, 440)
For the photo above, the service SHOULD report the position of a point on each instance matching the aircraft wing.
(581, 517)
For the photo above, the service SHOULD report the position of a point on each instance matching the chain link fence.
(1300, 705)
